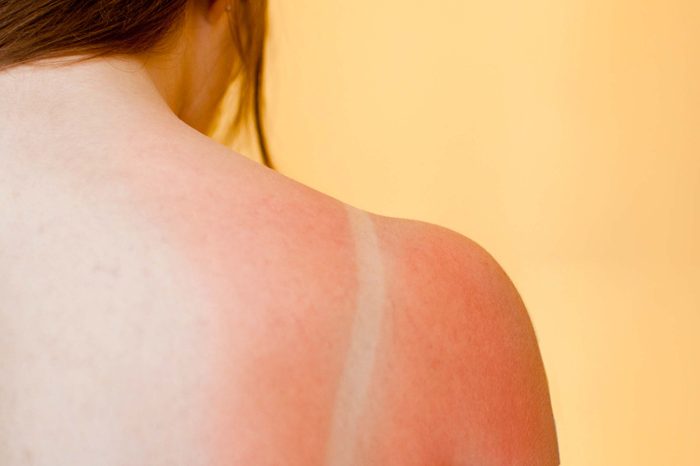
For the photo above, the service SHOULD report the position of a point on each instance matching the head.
(214, 42)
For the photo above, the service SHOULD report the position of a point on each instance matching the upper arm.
(473, 340)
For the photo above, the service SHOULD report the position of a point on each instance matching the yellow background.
(564, 137)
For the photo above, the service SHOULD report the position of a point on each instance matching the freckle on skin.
(27, 457)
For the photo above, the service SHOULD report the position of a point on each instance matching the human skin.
(165, 300)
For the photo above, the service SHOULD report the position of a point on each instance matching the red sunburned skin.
(336, 340)
(454, 368)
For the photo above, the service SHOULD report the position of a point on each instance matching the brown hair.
(41, 29)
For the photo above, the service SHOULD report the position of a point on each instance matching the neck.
(91, 97)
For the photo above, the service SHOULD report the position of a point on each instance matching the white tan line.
(356, 376)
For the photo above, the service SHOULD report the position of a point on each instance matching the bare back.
(221, 314)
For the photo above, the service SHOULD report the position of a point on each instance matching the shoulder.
(458, 363)
(446, 267)
(458, 374)
(464, 350)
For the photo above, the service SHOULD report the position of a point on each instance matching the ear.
(217, 9)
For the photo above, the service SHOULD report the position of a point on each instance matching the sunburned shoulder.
(456, 372)
(464, 363)
(455, 376)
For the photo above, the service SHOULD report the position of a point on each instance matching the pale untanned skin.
(165, 300)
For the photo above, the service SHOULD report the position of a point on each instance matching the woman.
(165, 300)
